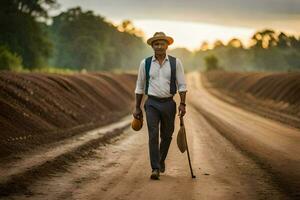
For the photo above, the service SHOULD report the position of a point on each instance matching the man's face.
(160, 46)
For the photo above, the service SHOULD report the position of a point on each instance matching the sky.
(190, 22)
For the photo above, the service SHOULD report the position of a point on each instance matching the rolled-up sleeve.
(141, 79)
(180, 76)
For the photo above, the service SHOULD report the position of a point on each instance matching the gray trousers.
(160, 118)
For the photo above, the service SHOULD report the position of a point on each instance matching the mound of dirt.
(273, 95)
(39, 108)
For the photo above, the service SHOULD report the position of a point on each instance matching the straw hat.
(137, 124)
(160, 36)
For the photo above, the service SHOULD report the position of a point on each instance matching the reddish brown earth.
(39, 108)
(235, 153)
(272, 95)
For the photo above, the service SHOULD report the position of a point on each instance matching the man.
(159, 77)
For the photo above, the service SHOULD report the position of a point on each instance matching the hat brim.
(167, 38)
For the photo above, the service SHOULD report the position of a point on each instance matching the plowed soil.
(272, 95)
(39, 108)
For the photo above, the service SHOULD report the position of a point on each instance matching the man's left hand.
(181, 110)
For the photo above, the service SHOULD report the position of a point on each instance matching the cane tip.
(193, 176)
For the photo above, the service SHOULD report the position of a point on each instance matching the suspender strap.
(172, 61)
(147, 66)
(173, 87)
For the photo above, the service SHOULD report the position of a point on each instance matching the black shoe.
(155, 174)
(162, 167)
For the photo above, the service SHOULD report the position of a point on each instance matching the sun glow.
(191, 35)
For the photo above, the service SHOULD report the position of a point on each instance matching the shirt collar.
(166, 58)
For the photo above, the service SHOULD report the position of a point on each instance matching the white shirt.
(160, 78)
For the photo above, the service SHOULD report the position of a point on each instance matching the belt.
(159, 99)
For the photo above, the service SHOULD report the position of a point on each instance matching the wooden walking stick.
(182, 143)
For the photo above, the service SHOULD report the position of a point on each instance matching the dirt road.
(235, 155)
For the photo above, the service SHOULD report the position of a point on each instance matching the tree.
(218, 44)
(85, 40)
(80, 39)
(9, 60)
(128, 26)
(235, 43)
(283, 41)
(211, 63)
(34, 8)
(264, 39)
(21, 32)
(295, 43)
(204, 46)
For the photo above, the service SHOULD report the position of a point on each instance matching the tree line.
(77, 39)
(269, 50)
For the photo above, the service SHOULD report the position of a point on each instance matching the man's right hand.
(138, 114)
